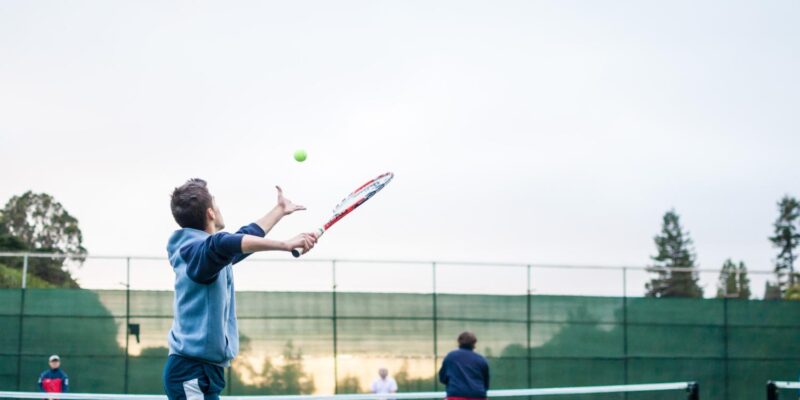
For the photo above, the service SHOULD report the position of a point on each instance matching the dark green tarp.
(731, 347)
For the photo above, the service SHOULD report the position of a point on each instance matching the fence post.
(25, 270)
(335, 336)
(726, 368)
(435, 317)
(625, 325)
(21, 319)
(528, 321)
(127, 316)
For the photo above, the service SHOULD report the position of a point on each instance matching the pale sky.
(531, 131)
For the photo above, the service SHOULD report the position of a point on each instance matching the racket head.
(358, 197)
(352, 201)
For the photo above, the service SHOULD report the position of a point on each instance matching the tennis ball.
(300, 155)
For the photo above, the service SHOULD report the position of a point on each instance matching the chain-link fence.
(316, 326)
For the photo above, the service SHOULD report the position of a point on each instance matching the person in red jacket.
(54, 380)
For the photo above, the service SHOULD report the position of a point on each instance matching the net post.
(693, 391)
(772, 391)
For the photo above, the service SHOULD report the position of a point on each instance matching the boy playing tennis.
(204, 337)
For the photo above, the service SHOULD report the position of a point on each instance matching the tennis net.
(674, 390)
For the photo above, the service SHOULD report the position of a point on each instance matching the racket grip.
(299, 252)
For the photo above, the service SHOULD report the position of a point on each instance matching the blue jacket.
(204, 327)
(465, 373)
(53, 379)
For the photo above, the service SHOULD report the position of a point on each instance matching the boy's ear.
(210, 214)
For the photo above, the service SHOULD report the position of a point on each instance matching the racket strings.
(363, 193)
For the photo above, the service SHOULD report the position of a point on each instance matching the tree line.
(36, 222)
(675, 262)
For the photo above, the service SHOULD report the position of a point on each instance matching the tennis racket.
(351, 202)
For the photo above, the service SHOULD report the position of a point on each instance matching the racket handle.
(298, 252)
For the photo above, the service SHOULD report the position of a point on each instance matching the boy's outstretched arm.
(252, 244)
(283, 208)
(206, 258)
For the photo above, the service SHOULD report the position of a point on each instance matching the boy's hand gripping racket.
(351, 202)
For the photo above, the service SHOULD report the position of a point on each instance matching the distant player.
(204, 337)
(384, 384)
(464, 372)
(54, 380)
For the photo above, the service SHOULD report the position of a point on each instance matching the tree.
(793, 293)
(349, 384)
(674, 262)
(772, 291)
(786, 238)
(36, 222)
(406, 383)
(288, 377)
(291, 379)
(733, 281)
(9, 242)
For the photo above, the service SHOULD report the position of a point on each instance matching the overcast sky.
(532, 131)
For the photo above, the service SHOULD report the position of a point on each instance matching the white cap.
(55, 357)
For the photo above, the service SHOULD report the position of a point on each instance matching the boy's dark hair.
(467, 340)
(190, 202)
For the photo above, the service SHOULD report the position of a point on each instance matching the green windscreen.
(324, 342)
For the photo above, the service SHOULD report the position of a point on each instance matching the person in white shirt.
(384, 384)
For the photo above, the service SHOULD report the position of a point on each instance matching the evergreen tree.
(733, 281)
(674, 262)
(786, 239)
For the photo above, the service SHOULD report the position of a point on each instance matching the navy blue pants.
(188, 379)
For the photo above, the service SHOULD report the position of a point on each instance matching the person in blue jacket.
(464, 372)
(54, 380)
(204, 337)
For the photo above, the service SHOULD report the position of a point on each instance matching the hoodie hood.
(181, 237)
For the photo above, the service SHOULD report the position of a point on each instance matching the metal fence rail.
(612, 280)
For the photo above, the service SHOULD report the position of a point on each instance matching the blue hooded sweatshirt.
(204, 327)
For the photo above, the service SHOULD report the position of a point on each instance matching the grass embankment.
(11, 278)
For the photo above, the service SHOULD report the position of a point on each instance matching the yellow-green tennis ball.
(300, 155)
